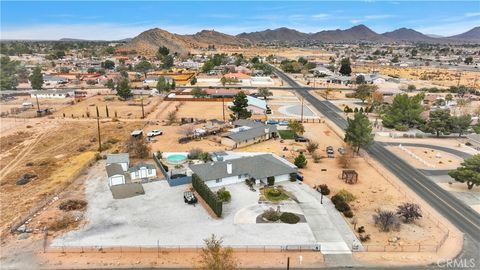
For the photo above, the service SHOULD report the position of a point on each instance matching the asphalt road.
(459, 214)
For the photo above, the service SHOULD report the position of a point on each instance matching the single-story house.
(123, 159)
(339, 79)
(51, 79)
(256, 105)
(64, 93)
(262, 81)
(248, 132)
(142, 171)
(242, 78)
(258, 167)
(116, 175)
(152, 80)
(322, 71)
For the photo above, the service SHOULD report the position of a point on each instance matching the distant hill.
(149, 41)
(471, 35)
(356, 33)
(406, 34)
(280, 34)
(72, 39)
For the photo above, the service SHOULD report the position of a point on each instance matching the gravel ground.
(162, 215)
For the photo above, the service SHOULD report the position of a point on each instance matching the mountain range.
(149, 41)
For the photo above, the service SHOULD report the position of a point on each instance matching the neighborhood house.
(238, 169)
(119, 171)
(247, 132)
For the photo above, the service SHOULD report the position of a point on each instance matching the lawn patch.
(286, 134)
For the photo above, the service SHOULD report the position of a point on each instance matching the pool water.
(176, 159)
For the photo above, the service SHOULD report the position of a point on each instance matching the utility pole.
(98, 128)
(223, 107)
(143, 111)
(38, 104)
(301, 119)
(288, 263)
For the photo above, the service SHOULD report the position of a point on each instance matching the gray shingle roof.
(118, 158)
(251, 133)
(246, 122)
(258, 167)
(141, 164)
(114, 169)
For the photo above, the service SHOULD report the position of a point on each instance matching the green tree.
(193, 81)
(36, 79)
(448, 97)
(345, 67)
(411, 88)
(255, 60)
(468, 60)
(296, 126)
(364, 91)
(438, 122)
(162, 85)
(110, 84)
(469, 172)
(123, 89)
(460, 124)
(264, 92)
(108, 64)
(8, 71)
(162, 52)
(144, 66)
(360, 79)
(198, 92)
(215, 257)
(359, 132)
(223, 80)
(300, 161)
(110, 50)
(167, 62)
(207, 66)
(239, 108)
(404, 110)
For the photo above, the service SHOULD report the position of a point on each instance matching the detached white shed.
(116, 175)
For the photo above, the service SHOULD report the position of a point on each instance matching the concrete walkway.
(328, 227)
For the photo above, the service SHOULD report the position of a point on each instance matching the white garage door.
(116, 180)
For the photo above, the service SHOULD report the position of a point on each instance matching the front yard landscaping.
(275, 194)
(287, 134)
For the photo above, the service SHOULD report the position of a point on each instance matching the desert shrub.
(324, 189)
(250, 182)
(112, 141)
(195, 153)
(137, 148)
(274, 192)
(386, 220)
(289, 218)
(72, 204)
(312, 147)
(98, 156)
(224, 195)
(271, 215)
(336, 199)
(361, 229)
(409, 211)
(401, 127)
(204, 156)
(293, 177)
(300, 161)
(271, 180)
(29, 164)
(348, 214)
(365, 237)
(346, 195)
(342, 206)
(316, 158)
(62, 222)
(81, 149)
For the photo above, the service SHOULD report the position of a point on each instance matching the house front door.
(143, 173)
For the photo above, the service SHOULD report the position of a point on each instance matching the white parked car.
(155, 132)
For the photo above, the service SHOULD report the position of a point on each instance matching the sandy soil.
(435, 159)
(55, 151)
(124, 109)
(433, 75)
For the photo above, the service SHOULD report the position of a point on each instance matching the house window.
(218, 180)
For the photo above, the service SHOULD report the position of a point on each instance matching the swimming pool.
(176, 159)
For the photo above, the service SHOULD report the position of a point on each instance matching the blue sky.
(121, 19)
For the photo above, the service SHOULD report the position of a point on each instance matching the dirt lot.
(434, 159)
(55, 151)
(436, 76)
(123, 109)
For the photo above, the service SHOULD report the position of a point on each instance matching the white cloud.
(378, 16)
(356, 20)
(320, 16)
(472, 14)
